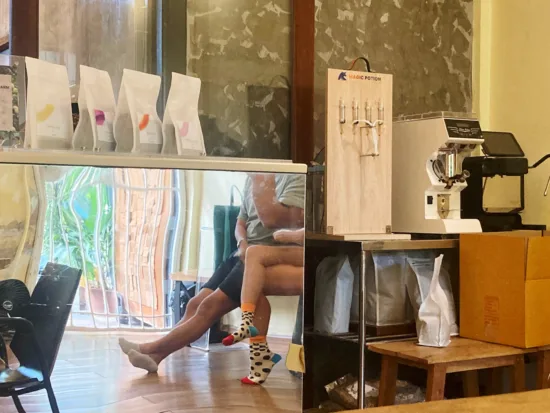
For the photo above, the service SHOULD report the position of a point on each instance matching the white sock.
(126, 345)
(142, 361)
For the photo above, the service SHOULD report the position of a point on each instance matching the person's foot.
(262, 361)
(246, 330)
(143, 361)
(126, 346)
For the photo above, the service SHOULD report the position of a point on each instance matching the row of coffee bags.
(130, 125)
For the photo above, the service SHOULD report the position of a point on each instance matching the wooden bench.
(462, 355)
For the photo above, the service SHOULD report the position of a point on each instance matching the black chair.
(38, 334)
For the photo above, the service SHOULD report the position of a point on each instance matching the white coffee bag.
(433, 317)
(49, 115)
(137, 125)
(96, 103)
(181, 125)
(419, 279)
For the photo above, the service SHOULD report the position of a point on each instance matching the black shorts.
(228, 278)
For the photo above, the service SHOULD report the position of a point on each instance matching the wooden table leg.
(388, 381)
(518, 374)
(471, 383)
(543, 369)
(435, 389)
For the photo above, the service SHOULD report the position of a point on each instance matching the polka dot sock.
(246, 329)
(262, 361)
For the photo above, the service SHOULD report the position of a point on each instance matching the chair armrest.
(18, 323)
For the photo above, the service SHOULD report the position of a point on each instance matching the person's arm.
(240, 235)
(272, 213)
(286, 236)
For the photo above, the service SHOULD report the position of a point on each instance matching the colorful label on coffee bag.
(104, 124)
(50, 122)
(149, 130)
(188, 136)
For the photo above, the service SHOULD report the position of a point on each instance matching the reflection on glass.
(168, 250)
(241, 50)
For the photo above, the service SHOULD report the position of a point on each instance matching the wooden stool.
(462, 355)
(543, 367)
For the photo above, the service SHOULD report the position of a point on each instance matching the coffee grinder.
(428, 175)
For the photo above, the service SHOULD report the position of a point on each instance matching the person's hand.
(241, 253)
(285, 236)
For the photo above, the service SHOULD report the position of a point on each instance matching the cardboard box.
(505, 288)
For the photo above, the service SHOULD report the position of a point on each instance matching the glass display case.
(148, 233)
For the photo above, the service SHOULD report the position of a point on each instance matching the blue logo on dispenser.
(343, 76)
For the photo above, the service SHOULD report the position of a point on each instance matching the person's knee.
(194, 304)
(213, 307)
(256, 253)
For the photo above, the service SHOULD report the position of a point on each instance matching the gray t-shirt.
(290, 191)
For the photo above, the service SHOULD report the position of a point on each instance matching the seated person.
(269, 270)
(270, 202)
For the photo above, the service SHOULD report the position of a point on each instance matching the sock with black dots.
(262, 361)
(246, 329)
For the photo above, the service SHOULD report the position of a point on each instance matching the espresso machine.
(428, 154)
(503, 158)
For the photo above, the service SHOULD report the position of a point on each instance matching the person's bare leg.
(211, 309)
(284, 280)
(260, 260)
(192, 306)
(280, 280)
(194, 303)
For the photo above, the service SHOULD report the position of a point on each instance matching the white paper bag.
(96, 104)
(49, 115)
(387, 301)
(333, 295)
(181, 126)
(419, 279)
(137, 124)
(434, 321)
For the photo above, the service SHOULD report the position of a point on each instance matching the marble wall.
(241, 49)
(425, 44)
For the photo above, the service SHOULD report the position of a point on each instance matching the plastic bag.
(49, 116)
(333, 295)
(344, 392)
(181, 126)
(96, 103)
(137, 124)
(387, 301)
(434, 326)
(419, 277)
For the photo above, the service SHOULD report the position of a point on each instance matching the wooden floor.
(92, 375)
